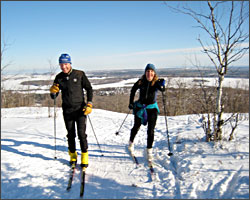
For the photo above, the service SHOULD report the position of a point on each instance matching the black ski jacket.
(72, 86)
(148, 93)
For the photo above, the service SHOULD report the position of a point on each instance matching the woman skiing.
(145, 109)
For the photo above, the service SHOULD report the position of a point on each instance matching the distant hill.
(233, 72)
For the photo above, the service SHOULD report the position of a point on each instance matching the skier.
(71, 82)
(145, 109)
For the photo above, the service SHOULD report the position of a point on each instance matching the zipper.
(147, 90)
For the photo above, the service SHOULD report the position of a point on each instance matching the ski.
(135, 160)
(152, 171)
(82, 181)
(72, 173)
(71, 176)
(152, 176)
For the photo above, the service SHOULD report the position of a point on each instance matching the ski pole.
(165, 113)
(117, 133)
(95, 135)
(55, 123)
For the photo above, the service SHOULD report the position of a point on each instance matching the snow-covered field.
(10, 82)
(197, 169)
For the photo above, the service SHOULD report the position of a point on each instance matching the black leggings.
(152, 117)
(78, 118)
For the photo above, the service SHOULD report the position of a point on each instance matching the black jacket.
(72, 86)
(148, 93)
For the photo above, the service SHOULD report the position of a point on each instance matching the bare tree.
(52, 71)
(4, 95)
(224, 24)
(4, 47)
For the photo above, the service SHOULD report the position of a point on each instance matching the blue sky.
(99, 34)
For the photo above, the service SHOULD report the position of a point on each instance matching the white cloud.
(161, 58)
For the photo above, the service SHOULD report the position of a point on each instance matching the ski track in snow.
(196, 169)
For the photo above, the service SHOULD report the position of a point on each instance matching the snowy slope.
(196, 170)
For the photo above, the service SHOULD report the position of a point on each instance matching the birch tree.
(225, 24)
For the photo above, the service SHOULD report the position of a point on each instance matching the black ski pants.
(152, 117)
(73, 119)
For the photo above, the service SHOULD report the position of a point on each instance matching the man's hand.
(54, 88)
(87, 109)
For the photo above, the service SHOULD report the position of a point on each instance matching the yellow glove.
(87, 109)
(54, 88)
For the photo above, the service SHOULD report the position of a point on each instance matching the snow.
(129, 83)
(197, 169)
(10, 82)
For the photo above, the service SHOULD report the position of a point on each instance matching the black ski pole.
(95, 135)
(55, 123)
(117, 133)
(165, 113)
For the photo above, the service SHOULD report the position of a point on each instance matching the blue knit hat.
(64, 58)
(150, 66)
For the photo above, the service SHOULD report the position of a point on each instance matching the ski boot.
(84, 159)
(150, 163)
(73, 158)
(131, 148)
(132, 153)
(150, 157)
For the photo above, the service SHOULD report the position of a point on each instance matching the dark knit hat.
(150, 66)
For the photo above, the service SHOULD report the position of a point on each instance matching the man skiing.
(145, 109)
(71, 82)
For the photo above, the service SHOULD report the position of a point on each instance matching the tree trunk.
(208, 129)
(219, 109)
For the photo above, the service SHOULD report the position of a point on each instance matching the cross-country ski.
(71, 176)
(83, 174)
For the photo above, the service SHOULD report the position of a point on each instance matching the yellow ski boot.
(73, 158)
(84, 159)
